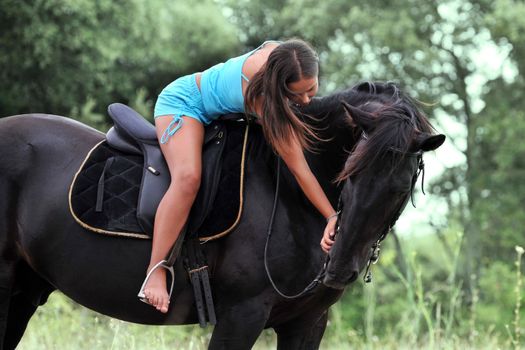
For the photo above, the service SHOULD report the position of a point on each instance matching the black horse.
(42, 247)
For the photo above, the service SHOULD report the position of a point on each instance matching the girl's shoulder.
(258, 58)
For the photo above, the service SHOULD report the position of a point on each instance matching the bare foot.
(156, 290)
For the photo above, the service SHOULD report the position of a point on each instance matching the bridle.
(376, 246)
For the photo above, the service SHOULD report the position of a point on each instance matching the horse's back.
(29, 139)
(39, 155)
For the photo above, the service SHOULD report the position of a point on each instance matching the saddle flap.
(211, 173)
(155, 182)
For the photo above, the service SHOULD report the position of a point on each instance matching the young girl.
(265, 82)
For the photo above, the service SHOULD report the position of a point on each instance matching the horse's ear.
(426, 142)
(358, 118)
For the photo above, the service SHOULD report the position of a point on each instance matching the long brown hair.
(289, 62)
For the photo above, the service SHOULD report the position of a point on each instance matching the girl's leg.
(183, 153)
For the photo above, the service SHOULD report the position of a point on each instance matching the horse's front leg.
(304, 333)
(239, 324)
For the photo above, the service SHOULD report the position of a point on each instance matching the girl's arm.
(294, 158)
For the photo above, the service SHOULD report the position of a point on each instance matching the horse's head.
(379, 175)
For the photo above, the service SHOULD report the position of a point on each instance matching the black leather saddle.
(119, 186)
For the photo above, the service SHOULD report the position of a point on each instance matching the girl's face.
(303, 90)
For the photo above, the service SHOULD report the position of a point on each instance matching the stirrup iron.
(163, 264)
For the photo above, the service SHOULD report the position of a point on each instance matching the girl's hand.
(329, 235)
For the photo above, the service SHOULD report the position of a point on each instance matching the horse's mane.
(395, 116)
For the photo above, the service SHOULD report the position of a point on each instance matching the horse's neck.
(326, 166)
(332, 151)
(298, 225)
(326, 163)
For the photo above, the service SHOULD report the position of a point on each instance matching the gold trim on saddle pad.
(144, 236)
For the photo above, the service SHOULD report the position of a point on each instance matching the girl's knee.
(187, 180)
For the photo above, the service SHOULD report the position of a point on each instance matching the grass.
(62, 325)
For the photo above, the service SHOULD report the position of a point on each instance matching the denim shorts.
(180, 98)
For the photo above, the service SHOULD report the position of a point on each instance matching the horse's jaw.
(337, 283)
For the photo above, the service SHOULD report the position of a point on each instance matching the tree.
(59, 54)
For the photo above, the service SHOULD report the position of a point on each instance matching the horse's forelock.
(397, 122)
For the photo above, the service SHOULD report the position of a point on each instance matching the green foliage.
(58, 55)
(423, 306)
(59, 326)
(497, 291)
(86, 114)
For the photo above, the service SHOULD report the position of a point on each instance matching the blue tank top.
(221, 86)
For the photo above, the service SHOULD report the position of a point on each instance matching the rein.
(321, 273)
